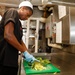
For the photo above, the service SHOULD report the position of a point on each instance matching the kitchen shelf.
(32, 34)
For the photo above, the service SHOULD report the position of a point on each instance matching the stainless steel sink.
(43, 55)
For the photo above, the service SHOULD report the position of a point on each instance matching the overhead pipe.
(8, 4)
(63, 3)
(53, 45)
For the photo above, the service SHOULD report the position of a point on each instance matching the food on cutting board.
(43, 61)
(39, 65)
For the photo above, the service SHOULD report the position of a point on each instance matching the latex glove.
(29, 57)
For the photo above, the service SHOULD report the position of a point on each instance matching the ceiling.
(5, 4)
(15, 3)
(10, 3)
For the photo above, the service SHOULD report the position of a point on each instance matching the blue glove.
(29, 57)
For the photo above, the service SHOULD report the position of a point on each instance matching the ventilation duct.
(63, 2)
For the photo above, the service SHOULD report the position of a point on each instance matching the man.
(11, 38)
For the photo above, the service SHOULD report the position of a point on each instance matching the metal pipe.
(8, 4)
(63, 3)
(54, 45)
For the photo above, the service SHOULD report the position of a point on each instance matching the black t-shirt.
(9, 54)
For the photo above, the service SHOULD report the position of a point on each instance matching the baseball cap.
(26, 3)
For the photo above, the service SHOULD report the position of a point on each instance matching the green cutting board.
(50, 68)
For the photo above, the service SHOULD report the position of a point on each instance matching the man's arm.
(11, 39)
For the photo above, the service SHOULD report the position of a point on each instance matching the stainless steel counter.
(43, 55)
(62, 60)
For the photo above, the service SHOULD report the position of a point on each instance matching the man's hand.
(29, 57)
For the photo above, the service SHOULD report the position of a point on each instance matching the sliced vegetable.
(39, 65)
(43, 61)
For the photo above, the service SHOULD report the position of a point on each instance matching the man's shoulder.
(12, 9)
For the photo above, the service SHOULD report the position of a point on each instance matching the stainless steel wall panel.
(65, 30)
(72, 25)
(68, 24)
